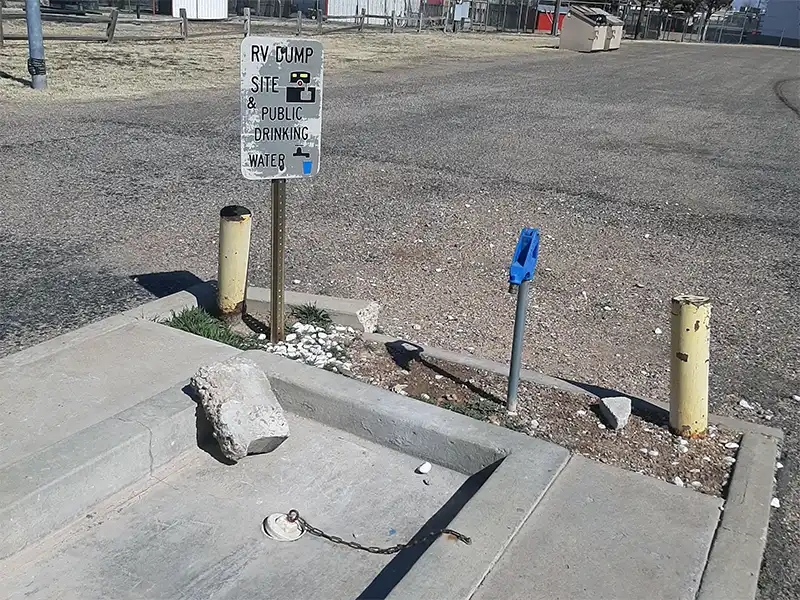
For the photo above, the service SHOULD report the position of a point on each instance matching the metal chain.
(294, 516)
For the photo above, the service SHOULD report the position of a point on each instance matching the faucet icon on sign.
(299, 90)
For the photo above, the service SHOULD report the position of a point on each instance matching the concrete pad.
(49, 489)
(602, 533)
(46, 397)
(198, 535)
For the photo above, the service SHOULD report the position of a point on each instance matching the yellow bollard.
(234, 251)
(691, 333)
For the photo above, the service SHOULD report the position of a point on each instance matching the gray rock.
(241, 407)
(616, 411)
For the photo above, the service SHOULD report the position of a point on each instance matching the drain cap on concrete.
(278, 527)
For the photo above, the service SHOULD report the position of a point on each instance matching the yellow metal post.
(691, 334)
(235, 223)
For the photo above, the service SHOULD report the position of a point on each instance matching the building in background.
(780, 24)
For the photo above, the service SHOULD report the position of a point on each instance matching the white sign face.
(281, 107)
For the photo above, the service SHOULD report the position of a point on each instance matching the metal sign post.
(281, 107)
(276, 306)
(520, 275)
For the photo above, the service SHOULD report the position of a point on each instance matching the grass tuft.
(199, 322)
(310, 314)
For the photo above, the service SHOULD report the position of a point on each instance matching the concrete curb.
(639, 404)
(91, 465)
(734, 560)
(155, 310)
(735, 556)
(519, 469)
(361, 315)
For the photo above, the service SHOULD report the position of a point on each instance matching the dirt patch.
(645, 445)
(124, 69)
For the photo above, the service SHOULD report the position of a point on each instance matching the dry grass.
(125, 69)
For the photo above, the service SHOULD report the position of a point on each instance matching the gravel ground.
(655, 170)
(573, 421)
(127, 69)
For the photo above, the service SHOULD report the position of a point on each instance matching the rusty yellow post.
(234, 251)
(691, 334)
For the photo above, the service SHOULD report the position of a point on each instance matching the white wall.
(782, 16)
(374, 7)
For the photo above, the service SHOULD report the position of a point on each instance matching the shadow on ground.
(401, 564)
(403, 353)
(165, 284)
(19, 80)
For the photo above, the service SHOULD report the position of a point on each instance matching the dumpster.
(613, 32)
(589, 29)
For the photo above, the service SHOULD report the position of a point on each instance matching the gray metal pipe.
(556, 14)
(516, 348)
(36, 66)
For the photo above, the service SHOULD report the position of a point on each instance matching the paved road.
(656, 170)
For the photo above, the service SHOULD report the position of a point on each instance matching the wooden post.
(421, 15)
(363, 18)
(246, 12)
(299, 23)
(319, 18)
(138, 11)
(112, 25)
(394, 20)
(258, 7)
(184, 24)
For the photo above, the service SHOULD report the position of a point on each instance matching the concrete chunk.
(241, 407)
(616, 411)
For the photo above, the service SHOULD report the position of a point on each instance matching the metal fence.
(653, 24)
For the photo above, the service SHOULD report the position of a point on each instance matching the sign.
(281, 107)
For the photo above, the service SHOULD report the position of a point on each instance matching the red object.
(545, 21)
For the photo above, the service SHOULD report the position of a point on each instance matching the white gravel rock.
(745, 404)
(731, 445)
(424, 468)
(775, 503)
(796, 398)
(678, 481)
(616, 411)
